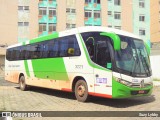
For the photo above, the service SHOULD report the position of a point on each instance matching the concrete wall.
(155, 64)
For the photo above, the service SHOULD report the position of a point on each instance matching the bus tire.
(22, 83)
(81, 91)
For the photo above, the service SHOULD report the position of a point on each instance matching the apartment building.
(155, 21)
(35, 18)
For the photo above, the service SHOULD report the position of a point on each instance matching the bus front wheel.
(22, 83)
(81, 91)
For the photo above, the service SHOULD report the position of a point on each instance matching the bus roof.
(75, 31)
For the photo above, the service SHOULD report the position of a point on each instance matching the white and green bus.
(96, 61)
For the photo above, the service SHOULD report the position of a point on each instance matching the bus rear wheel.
(81, 91)
(22, 83)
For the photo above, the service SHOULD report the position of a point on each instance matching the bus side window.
(102, 53)
(69, 42)
(63, 42)
(55, 49)
(28, 54)
(32, 51)
(9, 54)
(17, 53)
(72, 43)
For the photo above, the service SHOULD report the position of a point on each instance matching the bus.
(89, 61)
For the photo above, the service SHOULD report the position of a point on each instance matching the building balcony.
(97, 21)
(52, 4)
(51, 32)
(43, 3)
(43, 18)
(52, 19)
(71, 18)
(44, 33)
(92, 6)
(47, 19)
(93, 21)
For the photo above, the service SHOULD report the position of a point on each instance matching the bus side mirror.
(71, 51)
(109, 65)
(115, 38)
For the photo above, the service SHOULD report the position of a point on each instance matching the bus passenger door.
(102, 70)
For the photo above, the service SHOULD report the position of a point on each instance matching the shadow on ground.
(116, 103)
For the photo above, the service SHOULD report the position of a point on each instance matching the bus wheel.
(81, 91)
(22, 83)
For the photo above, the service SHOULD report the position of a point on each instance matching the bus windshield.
(133, 57)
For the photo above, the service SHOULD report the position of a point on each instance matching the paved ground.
(40, 99)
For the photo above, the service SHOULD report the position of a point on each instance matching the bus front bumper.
(121, 91)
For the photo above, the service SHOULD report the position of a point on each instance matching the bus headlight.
(123, 82)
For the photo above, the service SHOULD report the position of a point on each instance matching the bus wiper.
(144, 61)
(134, 65)
(146, 65)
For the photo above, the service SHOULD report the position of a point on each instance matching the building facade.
(35, 18)
(155, 20)
(8, 23)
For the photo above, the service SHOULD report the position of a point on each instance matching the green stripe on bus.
(121, 91)
(45, 38)
(88, 58)
(26, 68)
(50, 68)
(23, 43)
(26, 65)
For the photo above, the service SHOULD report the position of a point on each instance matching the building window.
(117, 27)
(69, 10)
(52, 27)
(110, 26)
(26, 23)
(142, 32)
(141, 3)
(42, 27)
(97, 1)
(117, 15)
(109, 13)
(23, 8)
(20, 7)
(68, 26)
(142, 18)
(20, 24)
(97, 14)
(52, 12)
(88, 14)
(42, 11)
(117, 2)
(88, 1)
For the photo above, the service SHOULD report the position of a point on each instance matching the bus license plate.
(141, 92)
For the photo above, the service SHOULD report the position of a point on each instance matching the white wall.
(155, 65)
